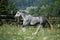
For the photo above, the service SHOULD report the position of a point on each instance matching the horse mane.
(23, 11)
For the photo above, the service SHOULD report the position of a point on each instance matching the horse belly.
(34, 21)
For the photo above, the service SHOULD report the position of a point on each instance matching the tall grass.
(13, 32)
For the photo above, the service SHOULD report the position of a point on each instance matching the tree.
(57, 2)
(3, 6)
(6, 7)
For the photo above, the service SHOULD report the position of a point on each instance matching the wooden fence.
(11, 18)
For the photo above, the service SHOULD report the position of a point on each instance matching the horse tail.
(50, 25)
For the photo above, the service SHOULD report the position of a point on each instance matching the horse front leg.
(25, 23)
(39, 26)
(23, 28)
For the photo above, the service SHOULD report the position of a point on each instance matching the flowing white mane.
(24, 11)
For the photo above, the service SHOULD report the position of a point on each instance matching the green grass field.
(13, 32)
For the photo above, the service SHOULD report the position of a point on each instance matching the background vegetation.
(44, 7)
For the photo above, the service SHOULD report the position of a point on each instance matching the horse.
(32, 20)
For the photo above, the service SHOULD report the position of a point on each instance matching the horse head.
(18, 14)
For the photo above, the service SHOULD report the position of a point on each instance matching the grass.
(13, 32)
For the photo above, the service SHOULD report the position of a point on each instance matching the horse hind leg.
(44, 25)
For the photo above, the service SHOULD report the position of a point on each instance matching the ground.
(13, 32)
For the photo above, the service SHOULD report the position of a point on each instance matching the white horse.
(29, 19)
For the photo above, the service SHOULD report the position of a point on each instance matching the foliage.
(3, 6)
(44, 7)
(6, 7)
(57, 2)
(47, 9)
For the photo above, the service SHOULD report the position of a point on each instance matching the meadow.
(14, 32)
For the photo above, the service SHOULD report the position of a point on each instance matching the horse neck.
(24, 16)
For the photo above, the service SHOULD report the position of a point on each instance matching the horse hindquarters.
(43, 22)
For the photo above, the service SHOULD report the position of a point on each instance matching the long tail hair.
(50, 25)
